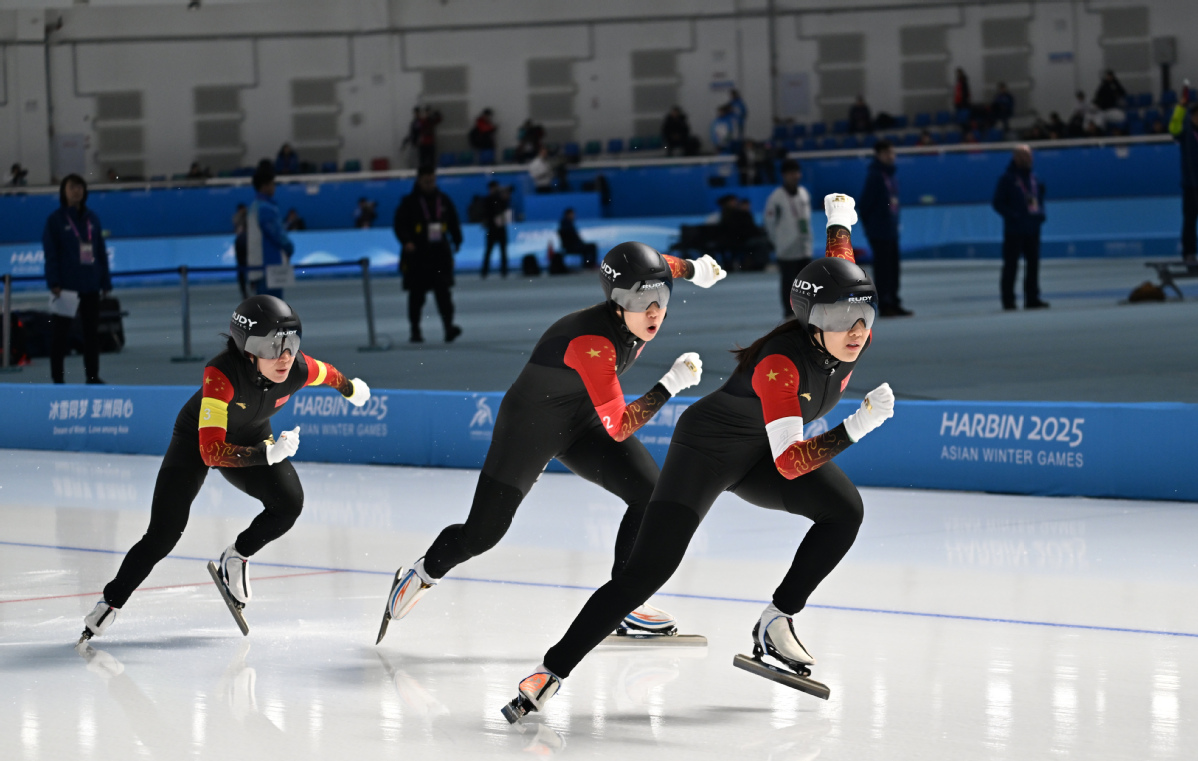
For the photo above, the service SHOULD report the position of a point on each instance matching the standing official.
(266, 242)
(1184, 128)
(499, 212)
(788, 224)
(879, 211)
(76, 262)
(426, 224)
(1019, 200)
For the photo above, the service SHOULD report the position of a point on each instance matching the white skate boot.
(406, 591)
(535, 691)
(652, 625)
(234, 571)
(774, 635)
(98, 621)
(650, 619)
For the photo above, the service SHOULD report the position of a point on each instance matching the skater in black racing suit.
(567, 403)
(747, 438)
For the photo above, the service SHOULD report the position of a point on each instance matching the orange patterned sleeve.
(214, 423)
(840, 244)
(322, 373)
(594, 359)
(680, 268)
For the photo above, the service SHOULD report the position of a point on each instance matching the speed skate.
(798, 679)
(774, 635)
(235, 607)
(650, 625)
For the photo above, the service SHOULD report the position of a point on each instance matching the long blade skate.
(799, 681)
(517, 709)
(626, 637)
(234, 606)
(387, 609)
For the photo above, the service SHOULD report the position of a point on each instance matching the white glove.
(841, 210)
(707, 271)
(686, 372)
(361, 392)
(876, 408)
(285, 447)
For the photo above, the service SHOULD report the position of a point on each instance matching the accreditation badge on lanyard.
(86, 252)
(436, 230)
(1032, 196)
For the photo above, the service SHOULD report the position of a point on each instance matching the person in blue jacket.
(878, 209)
(266, 242)
(76, 261)
(1019, 200)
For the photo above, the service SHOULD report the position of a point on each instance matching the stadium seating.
(593, 148)
(615, 146)
(352, 165)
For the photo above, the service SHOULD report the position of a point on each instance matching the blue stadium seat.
(572, 150)
(894, 139)
(870, 141)
(1136, 128)
(818, 129)
(780, 132)
(615, 145)
(923, 120)
(910, 139)
(809, 144)
(466, 158)
(352, 165)
(964, 115)
(1168, 99)
(852, 142)
(509, 155)
(486, 157)
(448, 159)
(1144, 99)
(829, 144)
(593, 148)
(798, 130)
(943, 118)
(840, 127)
(328, 167)
(1152, 115)
(900, 122)
(994, 135)
(952, 137)
(655, 143)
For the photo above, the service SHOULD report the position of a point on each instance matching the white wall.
(376, 50)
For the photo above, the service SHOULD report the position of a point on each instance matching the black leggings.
(526, 438)
(179, 481)
(695, 473)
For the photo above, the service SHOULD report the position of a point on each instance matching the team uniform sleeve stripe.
(782, 433)
(214, 413)
(317, 371)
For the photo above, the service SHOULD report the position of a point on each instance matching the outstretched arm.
(842, 215)
(594, 359)
(703, 272)
(324, 374)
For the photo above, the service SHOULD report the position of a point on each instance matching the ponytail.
(745, 357)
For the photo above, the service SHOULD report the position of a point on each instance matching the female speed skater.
(747, 438)
(567, 403)
(226, 425)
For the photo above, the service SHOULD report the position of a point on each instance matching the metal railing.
(184, 272)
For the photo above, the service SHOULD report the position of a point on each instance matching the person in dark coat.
(879, 213)
(676, 132)
(1019, 200)
(572, 242)
(76, 262)
(429, 233)
(1184, 128)
(860, 119)
(498, 204)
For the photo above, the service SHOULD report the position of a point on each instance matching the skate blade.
(514, 712)
(387, 609)
(632, 637)
(782, 676)
(234, 606)
(87, 635)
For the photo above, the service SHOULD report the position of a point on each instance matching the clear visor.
(843, 315)
(273, 346)
(642, 295)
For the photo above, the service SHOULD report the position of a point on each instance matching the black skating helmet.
(265, 326)
(832, 294)
(635, 275)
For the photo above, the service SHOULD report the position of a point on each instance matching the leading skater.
(567, 403)
(747, 438)
(226, 425)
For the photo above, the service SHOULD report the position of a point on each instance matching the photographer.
(498, 214)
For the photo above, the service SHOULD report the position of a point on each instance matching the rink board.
(1136, 451)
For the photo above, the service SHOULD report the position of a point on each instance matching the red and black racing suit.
(567, 403)
(720, 444)
(225, 425)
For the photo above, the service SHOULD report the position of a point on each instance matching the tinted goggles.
(273, 346)
(843, 315)
(642, 295)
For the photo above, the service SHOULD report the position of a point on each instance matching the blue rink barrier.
(1134, 451)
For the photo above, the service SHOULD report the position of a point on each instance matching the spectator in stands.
(529, 139)
(429, 234)
(498, 217)
(76, 268)
(961, 97)
(740, 112)
(754, 164)
(365, 214)
(239, 250)
(293, 221)
(676, 133)
(287, 160)
(925, 137)
(427, 141)
(17, 176)
(860, 119)
(1019, 200)
(541, 170)
(1002, 107)
(482, 135)
(788, 225)
(1057, 129)
(412, 141)
(1085, 117)
(266, 242)
(1184, 128)
(723, 130)
(878, 208)
(198, 172)
(572, 242)
(739, 235)
(1110, 93)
